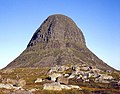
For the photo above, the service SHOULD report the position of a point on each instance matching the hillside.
(58, 41)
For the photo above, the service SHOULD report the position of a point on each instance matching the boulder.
(65, 87)
(52, 86)
(38, 80)
(71, 76)
(54, 76)
(10, 86)
(66, 75)
(75, 87)
(101, 80)
(105, 81)
(16, 83)
(68, 87)
(96, 70)
(91, 74)
(76, 68)
(6, 86)
(53, 69)
(33, 90)
(105, 77)
(58, 68)
(62, 80)
(85, 68)
(58, 87)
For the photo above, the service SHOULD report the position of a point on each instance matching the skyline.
(99, 21)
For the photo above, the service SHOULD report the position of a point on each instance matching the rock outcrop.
(38, 80)
(58, 87)
(52, 86)
(54, 76)
(62, 80)
(79, 72)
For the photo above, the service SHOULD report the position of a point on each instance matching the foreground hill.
(58, 41)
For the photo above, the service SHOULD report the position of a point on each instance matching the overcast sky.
(98, 19)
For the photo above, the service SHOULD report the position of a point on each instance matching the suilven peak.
(58, 41)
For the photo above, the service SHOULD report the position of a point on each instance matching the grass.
(31, 74)
(73, 91)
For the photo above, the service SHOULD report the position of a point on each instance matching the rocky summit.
(58, 41)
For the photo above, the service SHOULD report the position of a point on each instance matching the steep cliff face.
(57, 31)
(57, 41)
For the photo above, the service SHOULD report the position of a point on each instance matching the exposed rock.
(66, 75)
(54, 76)
(71, 76)
(101, 80)
(6, 86)
(107, 77)
(63, 68)
(105, 81)
(85, 68)
(96, 70)
(90, 75)
(75, 87)
(57, 27)
(62, 80)
(83, 65)
(58, 87)
(33, 90)
(76, 68)
(53, 69)
(92, 67)
(8, 83)
(58, 68)
(52, 86)
(14, 82)
(79, 77)
(38, 80)
(9, 86)
(108, 71)
(65, 87)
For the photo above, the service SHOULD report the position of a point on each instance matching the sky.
(99, 21)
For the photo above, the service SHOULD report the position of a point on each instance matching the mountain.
(58, 41)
